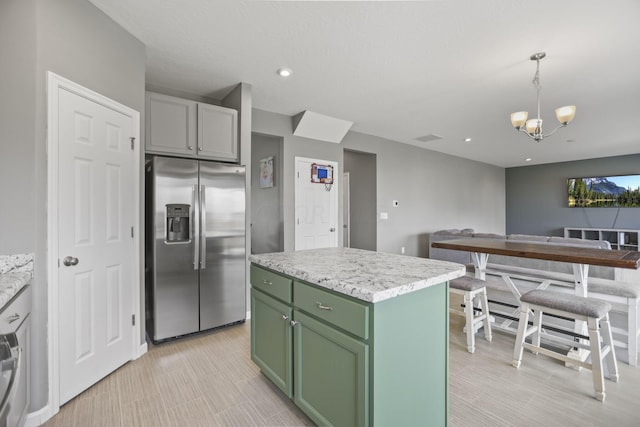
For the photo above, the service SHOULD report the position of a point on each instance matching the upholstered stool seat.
(593, 311)
(471, 288)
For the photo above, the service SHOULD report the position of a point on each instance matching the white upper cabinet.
(180, 127)
(217, 132)
(171, 125)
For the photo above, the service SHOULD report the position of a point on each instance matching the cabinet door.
(170, 125)
(271, 336)
(217, 132)
(331, 371)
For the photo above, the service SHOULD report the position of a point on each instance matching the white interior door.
(346, 210)
(316, 207)
(96, 251)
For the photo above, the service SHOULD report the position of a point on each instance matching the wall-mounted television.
(604, 191)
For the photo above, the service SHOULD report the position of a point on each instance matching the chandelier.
(533, 127)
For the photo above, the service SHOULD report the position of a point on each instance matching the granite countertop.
(15, 272)
(365, 275)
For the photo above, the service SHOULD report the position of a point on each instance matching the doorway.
(362, 221)
(267, 218)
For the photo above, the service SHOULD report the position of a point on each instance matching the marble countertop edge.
(365, 275)
(15, 272)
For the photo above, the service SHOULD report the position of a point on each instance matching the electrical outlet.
(384, 215)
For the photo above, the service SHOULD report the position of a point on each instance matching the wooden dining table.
(579, 257)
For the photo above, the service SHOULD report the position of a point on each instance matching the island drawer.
(15, 311)
(271, 283)
(339, 311)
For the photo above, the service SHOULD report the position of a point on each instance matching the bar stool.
(470, 288)
(593, 311)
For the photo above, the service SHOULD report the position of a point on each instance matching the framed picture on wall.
(266, 172)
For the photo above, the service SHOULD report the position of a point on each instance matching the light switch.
(384, 215)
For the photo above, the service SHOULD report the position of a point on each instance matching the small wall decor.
(266, 172)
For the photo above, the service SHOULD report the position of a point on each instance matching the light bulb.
(566, 114)
(518, 119)
(284, 72)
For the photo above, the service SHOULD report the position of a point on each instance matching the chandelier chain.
(536, 82)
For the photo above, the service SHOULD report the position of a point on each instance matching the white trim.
(54, 84)
(39, 417)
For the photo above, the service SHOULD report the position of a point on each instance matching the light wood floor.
(209, 380)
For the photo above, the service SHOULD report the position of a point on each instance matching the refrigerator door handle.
(203, 230)
(195, 228)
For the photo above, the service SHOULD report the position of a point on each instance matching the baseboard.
(39, 417)
(142, 349)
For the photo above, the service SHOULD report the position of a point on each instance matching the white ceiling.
(405, 69)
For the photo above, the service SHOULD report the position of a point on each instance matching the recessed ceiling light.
(528, 159)
(284, 72)
(467, 140)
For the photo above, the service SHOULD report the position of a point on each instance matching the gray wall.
(267, 223)
(273, 124)
(362, 199)
(75, 40)
(536, 197)
(17, 116)
(435, 190)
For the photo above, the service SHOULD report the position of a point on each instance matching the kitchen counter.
(15, 272)
(348, 334)
(365, 275)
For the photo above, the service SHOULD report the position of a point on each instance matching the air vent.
(430, 137)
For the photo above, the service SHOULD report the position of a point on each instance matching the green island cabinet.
(346, 362)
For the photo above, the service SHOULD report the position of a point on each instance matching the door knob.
(69, 261)
(332, 229)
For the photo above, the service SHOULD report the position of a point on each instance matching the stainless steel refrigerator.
(195, 246)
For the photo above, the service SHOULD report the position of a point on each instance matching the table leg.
(480, 264)
(581, 281)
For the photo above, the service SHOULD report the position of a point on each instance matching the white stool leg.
(522, 328)
(537, 323)
(469, 327)
(596, 358)
(633, 329)
(610, 358)
(484, 303)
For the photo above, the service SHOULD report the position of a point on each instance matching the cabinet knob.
(266, 282)
(285, 317)
(200, 148)
(190, 147)
(293, 323)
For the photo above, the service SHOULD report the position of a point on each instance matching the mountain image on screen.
(603, 185)
(611, 191)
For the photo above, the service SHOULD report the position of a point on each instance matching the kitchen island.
(353, 337)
